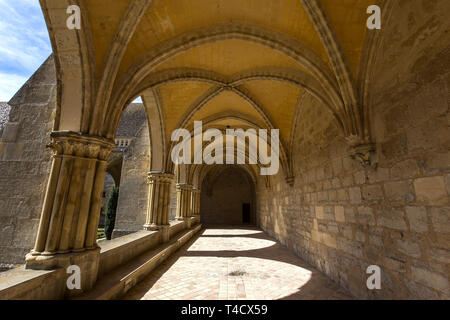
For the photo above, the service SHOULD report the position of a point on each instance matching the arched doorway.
(228, 198)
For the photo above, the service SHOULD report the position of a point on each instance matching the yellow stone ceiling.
(165, 19)
(226, 101)
(348, 18)
(229, 57)
(176, 98)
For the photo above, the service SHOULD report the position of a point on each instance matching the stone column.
(196, 202)
(67, 233)
(184, 195)
(159, 203)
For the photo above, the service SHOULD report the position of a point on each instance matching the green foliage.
(111, 209)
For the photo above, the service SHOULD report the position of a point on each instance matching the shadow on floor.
(317, 287)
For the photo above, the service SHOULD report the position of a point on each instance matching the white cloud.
(24, 43)
(9, 85)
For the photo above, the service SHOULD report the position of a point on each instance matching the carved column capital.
(159, 177)
(184, 187)
(68, 143)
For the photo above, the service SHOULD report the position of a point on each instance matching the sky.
(24, 44)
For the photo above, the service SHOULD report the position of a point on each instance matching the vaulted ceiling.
(251, 59)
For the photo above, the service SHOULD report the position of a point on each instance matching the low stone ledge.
(122, 279)
(118, 251)
(25, 284)
(130, 257)
(176, 227)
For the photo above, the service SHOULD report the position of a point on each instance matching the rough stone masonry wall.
(133, 193)
(343, 218)
(25, 163)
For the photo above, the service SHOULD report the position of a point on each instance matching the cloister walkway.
(228, 263)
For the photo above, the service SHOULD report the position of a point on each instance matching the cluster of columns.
(195, 205)
(188, 202)
(184, 201)
(67, 231)
(158, 202)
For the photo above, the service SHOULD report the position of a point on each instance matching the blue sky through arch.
(24, 44)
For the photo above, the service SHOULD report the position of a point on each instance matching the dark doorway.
(246, 216)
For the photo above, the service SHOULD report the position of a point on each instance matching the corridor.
(229, 263)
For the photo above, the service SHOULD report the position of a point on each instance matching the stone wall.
(133, 194)
(25, 163)
(4, 115)
(223, 203)
(341, 217)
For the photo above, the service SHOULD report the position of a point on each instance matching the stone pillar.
(67, 233)
(159, 203)
(196, 202)
(184, 198)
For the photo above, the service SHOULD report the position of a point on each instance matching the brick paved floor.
(229, 263)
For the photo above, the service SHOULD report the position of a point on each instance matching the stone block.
(347, 181)
(408, 248)
(329, 240)
(339, 213)
(6, 234)
(417, 217)
(337, 166)
(436, 162)
(405, 169)
(350, 215)
(342, 195)
(373, 192)
(398, 191)
(440, 254)
(332, 227)
(440, 219)
(392, 219)
(366, 216)
(328, 212)
(346, 231)
(377, 175)
(430, 279)
(415, 290)
(360, 177)
(431, 190)
(394, 264)
(355, 195)
(10, 132)
(319, 212)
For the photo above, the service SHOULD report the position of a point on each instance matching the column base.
(187, 221)
(151, 227)
(87, 261)
(164, 229)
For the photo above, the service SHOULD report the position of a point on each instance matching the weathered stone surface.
(133, 195)
(430, 279)
(417, 217)
(398, 191)
(440, 219)
(25, 163)
(431, 190)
